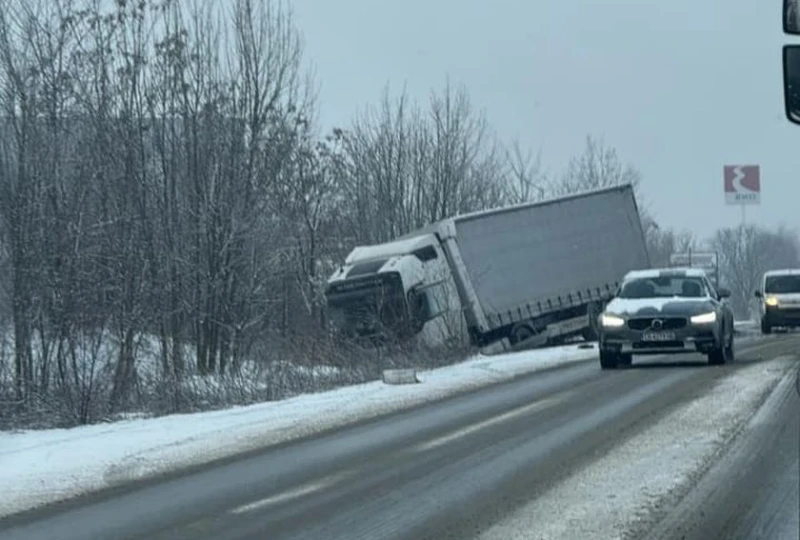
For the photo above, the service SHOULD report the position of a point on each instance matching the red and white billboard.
(742, 184)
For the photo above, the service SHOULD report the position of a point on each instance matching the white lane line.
(295, 493)
(539, 405)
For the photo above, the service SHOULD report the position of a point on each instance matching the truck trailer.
(522, 275)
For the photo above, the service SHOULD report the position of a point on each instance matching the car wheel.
(729, 349)
(765, 327)
(625, 359)
(608, 359)
(717, 355)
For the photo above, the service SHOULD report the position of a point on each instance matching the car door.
(722, 306)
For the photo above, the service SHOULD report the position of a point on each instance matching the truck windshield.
(782, 284)
(663, 287)
(367, 307)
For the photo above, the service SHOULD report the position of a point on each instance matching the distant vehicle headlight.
(611, 321)
(771, 301)
(704, 318)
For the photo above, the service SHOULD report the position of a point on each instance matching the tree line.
(162, 174)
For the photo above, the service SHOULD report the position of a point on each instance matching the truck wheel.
(609, 359)
(765, 327)
(592, 332)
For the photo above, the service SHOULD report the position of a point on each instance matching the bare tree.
(662, 242)
(597, 167)
(527, 182)
(466, 164)
(162, 177)
(407, 167)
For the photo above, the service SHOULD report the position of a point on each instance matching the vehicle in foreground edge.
(668, 310)
(780, 299)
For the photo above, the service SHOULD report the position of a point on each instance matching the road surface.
(754, 491)
(446, 470)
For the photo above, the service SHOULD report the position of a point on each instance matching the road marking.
(539, 405)
(536, 406)
(295, 493)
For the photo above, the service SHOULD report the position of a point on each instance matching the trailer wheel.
(592, 331)
(520, 333)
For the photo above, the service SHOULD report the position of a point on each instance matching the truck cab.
(397, 292)
(780, 299)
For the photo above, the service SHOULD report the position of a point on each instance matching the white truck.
(522, 275)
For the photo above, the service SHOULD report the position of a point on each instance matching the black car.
(666, 311)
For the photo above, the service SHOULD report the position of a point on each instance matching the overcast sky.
(680, 88)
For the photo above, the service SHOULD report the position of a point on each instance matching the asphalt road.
(753, 492)
(445, 470)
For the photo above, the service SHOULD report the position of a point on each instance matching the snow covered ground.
(38, 467)
(649, 470)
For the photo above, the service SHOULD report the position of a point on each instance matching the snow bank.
(39, 467)
(609, 497)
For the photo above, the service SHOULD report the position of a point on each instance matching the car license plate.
(658, 336)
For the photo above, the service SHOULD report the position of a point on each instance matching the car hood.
(644, 307)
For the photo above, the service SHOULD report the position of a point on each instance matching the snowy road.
(568, 453)
(754, 491)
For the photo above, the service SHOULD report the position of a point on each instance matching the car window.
(664, 287)
(782, 284)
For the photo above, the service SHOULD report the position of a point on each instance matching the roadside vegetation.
(170, 210)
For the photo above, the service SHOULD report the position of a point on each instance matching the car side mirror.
(723, 292)
(791, 81)
(791, 17)
(758, 294)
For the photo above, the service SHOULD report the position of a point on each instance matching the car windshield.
(663, 287)
(782, 284)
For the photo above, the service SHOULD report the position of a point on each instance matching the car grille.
(667, 323)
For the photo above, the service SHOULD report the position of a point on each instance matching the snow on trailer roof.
(782, 272)
(663, 272)
(545, 202)
(437, 227)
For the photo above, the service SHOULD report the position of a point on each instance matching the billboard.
(742, 184)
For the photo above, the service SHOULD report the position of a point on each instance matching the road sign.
(698, 259)
(707, 260)
(742, 184)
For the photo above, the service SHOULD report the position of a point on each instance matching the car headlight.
(611, 321)
(771, 301)
(704, 318)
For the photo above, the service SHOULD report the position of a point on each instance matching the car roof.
(678, 271)
(783, 272)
